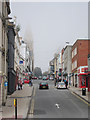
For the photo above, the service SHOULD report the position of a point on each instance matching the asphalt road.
(53, 103)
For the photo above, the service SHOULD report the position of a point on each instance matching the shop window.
(83, 81)
(86, 81)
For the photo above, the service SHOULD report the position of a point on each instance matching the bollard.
(15, 104)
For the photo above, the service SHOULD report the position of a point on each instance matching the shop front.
(89, 81)
(83, 76)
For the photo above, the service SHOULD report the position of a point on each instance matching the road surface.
(53, 103)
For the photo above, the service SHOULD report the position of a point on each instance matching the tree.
(37, 72)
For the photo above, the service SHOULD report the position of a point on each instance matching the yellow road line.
(81, 99)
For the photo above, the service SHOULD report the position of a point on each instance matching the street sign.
(5, 83)
(20, 62)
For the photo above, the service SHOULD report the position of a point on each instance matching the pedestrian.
(21, 84)
(18, 84)
(66, 83)
(31, 83)
(55, 81)
(64, 80)
(30, 77)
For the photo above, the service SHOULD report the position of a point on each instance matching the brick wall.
(82, 52)
(83, 49)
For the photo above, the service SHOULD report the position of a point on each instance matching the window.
(74, 52)
(74, 64)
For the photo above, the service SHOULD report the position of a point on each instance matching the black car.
(43, 85)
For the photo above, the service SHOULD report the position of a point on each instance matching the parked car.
(40, 77)
(43, 85)
(45, 78)
(34, 77)
(26, 81)
(61, 85)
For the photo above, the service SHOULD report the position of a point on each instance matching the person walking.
(55, 81)
(20, 84)
(66, 83)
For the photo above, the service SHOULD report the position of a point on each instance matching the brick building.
(80, 51)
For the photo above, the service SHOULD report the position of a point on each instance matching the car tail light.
(46, 84)
(40, 85)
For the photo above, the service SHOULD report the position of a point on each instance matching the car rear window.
(61, 83)
(44, 83)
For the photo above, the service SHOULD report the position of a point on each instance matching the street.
(53, 103)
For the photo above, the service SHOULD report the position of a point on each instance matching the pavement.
(23, 100)
(0, 103)
(78, 91)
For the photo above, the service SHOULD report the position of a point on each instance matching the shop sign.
(21, 62)
(26, 74)
(82, 69)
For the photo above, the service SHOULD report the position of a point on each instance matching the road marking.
(32, 104)
(32, 107)
(57, 105)
(80, 98)
(34, 92)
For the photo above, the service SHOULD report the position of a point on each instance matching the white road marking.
(57, 105)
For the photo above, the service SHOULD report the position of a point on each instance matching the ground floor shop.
(83, 81)
(83, 76)
(80, 77)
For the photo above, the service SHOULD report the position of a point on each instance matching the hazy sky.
(52, 25)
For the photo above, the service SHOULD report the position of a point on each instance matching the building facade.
(68, 63)
(11, 55)
(4, 12)
(19, 60)
(80, 51)
(62, 63)
(51, 68)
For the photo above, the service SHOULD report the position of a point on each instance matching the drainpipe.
(88, 72)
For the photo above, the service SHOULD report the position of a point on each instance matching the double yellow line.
(80, 98)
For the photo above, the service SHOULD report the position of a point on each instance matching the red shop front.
(83, 77)
(89, 81)
(83, 80)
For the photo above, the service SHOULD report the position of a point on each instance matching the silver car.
(61, 85)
